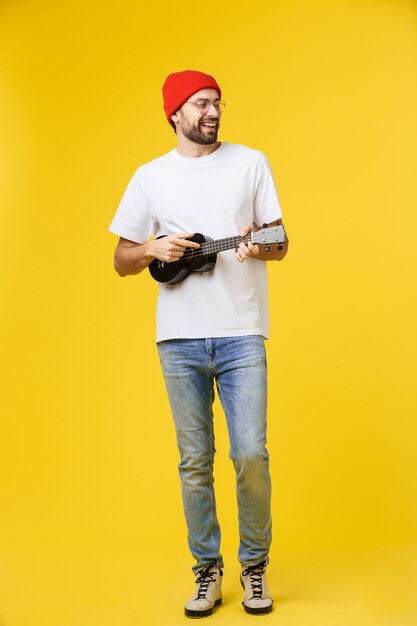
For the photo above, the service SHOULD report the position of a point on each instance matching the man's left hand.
(246, 249)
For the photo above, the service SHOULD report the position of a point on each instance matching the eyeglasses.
(204, 105)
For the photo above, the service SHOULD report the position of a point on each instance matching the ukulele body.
(175, 272)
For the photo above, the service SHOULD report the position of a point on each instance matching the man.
(210, 326)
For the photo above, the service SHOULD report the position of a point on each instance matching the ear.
(175, 118)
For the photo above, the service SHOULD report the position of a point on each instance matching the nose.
(216, 111)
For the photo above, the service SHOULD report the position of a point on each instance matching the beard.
(194, 133)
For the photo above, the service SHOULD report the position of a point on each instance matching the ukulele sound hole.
(191, 258)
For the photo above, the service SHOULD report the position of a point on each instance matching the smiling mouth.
(209, 125)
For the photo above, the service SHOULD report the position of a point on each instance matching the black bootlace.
(255, 573)
(204, 578)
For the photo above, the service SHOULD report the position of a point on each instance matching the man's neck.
(193, 150)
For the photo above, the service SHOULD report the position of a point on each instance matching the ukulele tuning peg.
(267, 248)
(264, 225)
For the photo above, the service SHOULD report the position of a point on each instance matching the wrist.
(146, 251)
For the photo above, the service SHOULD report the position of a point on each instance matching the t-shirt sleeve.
(133, 219)
(266, 207)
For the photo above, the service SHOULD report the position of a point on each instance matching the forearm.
(274, 254)
(130, 260)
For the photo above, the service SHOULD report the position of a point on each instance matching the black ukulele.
(203, 259)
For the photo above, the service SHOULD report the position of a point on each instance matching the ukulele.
(203, 259)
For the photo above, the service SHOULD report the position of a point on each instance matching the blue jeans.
(238, 366)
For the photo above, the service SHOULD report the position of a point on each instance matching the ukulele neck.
(220, 245)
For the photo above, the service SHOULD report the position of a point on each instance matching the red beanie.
(180, 86)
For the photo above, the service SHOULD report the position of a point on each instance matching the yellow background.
(90, 510)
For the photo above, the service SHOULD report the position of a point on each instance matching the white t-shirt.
(216, 195)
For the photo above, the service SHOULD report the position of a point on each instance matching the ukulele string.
(209, 247)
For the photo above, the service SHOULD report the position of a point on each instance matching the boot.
(208, 593)
(257, 599)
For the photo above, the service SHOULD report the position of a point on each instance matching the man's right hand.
(131, 258)
(172, 247)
